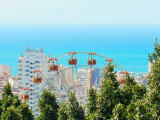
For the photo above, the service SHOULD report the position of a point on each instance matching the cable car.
(91, 61)
(53, 67)
(24, 96)
(37, 80)
(72, 61)
(122, 80)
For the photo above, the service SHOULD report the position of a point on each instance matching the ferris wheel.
(84, 69)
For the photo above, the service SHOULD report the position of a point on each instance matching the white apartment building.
(26, 65)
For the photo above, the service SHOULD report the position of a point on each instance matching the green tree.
(25, 111)
(11, 106)
(92, 101)
(111, 75)
(70, 109)
(142, 109)
(48, 106)
(75, 111)
(92, 104)
(131, 91)
(63, 111)
(118, 112)
(156, 53)
(108, 96)
(11, 114)
(153, 93)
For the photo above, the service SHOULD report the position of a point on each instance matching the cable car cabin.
(122, 80)
(53, 67)
(24, 97)
(91, 62)
(37, 80)
(72, 61)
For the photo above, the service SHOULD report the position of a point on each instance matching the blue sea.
(128, 45)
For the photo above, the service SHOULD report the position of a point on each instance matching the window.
(27, 66)
(26, 74)
(37, 66)
(19, 74)
(37, 62)
(26, 70)
(19, 78)
(20, 83)
(37, 88)
(19, 61)
(19, 69)
(19, 65)
(26, 83)
(27, 61)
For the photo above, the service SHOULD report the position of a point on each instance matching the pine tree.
(118, 112)
(11, 106)
(92, 101)
(48, 106)
(131, 91)
(63, 111)
(75, 111)
(108, 97)
(156, 53)
(92, 104)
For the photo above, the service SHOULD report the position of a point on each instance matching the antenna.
(21, 54)
(49, 55)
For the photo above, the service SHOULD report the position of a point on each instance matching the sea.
(128, 45)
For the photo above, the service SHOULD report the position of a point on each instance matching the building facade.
(26, 65)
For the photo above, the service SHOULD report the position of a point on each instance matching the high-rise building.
(89, 77)
(26, 65)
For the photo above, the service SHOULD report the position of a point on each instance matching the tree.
(11, 114)
(92, 101)
(156, 53)
(141, 109)
(11, 106)
(63, 111)
(48, 106)
(131, 91)
(75, 111)
(118, 112)
(110, 75)
(92, 104)
(27, 113)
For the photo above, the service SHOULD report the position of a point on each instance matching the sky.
(80, 12)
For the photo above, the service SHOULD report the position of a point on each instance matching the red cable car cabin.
(37, 80)
(122, 80)
(24, 96)
(91, 62)
(72, 61)
(53, 67)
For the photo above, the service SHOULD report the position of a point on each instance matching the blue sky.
(80, 12)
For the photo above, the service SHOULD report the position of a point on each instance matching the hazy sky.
(80, 12)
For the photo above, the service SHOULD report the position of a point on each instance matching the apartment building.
(26, 65)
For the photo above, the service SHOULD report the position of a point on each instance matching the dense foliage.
(12, 108)
(48, 106)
